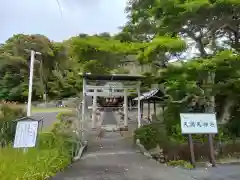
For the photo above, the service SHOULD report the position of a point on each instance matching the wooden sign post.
(199, 123)
(191, 148)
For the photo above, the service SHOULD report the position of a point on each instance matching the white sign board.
(198, 123)
(113, 86)
(26, 134)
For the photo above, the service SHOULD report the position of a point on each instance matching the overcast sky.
(44, 17)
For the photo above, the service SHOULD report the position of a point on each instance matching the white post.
(29, 104)
(30, 84)
(94, 109)
(83, 107)
(139, 106)
(125, 108)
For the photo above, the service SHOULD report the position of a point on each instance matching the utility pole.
(29, 103)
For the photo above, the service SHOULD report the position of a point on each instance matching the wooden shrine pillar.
(148, 110)
(155, 109)
(130, 104)
(141, 108)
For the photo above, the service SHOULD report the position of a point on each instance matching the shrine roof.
(153, 95)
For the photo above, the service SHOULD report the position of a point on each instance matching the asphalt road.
(221, 172)
(48, 118)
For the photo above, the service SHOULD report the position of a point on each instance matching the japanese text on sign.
(198, 123)
(26, 134)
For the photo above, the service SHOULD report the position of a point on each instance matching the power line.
(60, 8)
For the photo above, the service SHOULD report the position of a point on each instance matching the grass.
(55, 109)
(53, 152)
(45, 109)
(40, 163)
(180, 163)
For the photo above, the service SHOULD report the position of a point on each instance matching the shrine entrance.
(108, 99)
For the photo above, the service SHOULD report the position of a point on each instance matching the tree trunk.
(208, 93)
(211, 109)
(226, 111)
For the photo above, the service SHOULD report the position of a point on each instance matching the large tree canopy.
(212, 29)
(58, 66)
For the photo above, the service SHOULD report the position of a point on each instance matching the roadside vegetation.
(54, 150)
(175, 145)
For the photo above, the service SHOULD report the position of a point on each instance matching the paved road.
(48, 118)
(221, 172)
(115, 158)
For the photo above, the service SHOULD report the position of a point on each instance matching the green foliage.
(66, 127)
(158, 46)
(50, 156)
(63, 115)
(53, 152)
(234, 125)
(9, 113)
(180, 163)
(56, 75)
(14, 67)
(151, 135)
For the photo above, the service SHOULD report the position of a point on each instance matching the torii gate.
(101, 90)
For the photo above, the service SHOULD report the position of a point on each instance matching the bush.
(175, 146)
(67, 128)
(151, 135)
(53, 152)
(50, 156)
(8, 113)
(180, 163)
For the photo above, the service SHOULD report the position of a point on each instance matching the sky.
(75, 17)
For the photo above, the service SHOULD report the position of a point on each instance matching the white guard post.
(94, 109)
(139, 105)
(125, 108)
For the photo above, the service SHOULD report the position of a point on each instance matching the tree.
(203, 21)
(99, 54)
(14, 64)
(213, 26)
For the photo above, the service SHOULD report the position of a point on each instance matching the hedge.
(175, 147)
